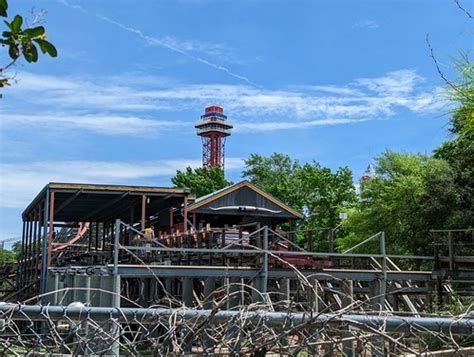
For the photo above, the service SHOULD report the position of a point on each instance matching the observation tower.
(213, 128)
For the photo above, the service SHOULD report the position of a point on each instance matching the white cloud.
(396, 82)
(20, 182)
(367, 24)
(98, 123)
(103, 101)
(272, 126)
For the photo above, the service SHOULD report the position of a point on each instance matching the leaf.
(30, 53)
(3, 8)
(13, 51)
(34, 32)
(47, 47)
(8, 24)
(4, 82)
(16, 24)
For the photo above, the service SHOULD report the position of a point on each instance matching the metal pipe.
(362, 243)
(389, 323)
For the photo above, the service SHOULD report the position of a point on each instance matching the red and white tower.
(213, 128)
(368, 174)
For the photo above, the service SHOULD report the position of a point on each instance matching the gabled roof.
(214, 196)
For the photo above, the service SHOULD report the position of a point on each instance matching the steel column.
(44, 262)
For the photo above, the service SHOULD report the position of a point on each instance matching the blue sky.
(333, 81)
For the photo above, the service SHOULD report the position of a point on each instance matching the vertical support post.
(185, 214)
(56, 288)
(347, 298)
(30, 248)
(171, 220)
(143, 212)
(132, 219)
(234, 293)
(21, 265)
(44, 257)
(51, 227)
(116, 246)
(331, 240)
(310, 241)
(383, 283)
(285, 289)
(451, 250)
(115, 328)
(265, 260)
(437, 264)
(209, 287)
(194, 221)
(187, 291)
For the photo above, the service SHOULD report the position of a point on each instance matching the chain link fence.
(159, 331)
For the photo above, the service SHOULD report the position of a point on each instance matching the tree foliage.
(410, 195)
(201, 181)
(312, 189)
(6, 256)
(459, 151)
(414, 193)
(21, 42)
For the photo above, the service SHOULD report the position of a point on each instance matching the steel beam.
(208, 271)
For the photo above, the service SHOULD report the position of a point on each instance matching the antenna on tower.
(213, 128)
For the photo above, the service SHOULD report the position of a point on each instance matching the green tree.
(311, 189)
(6, 256)
(21, 42)
(410, 195)
(201, 181)
(459, 150)
(276, 174)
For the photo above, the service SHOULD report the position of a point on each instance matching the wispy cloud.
(281, 125)
(187, 48)
(178, 47)
(105, 106)
(367, 24)
(99, 123)
(20, 182)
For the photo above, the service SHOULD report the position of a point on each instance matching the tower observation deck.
(213, 128)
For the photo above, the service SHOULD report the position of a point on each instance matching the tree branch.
(442, 75)
(463, 9)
